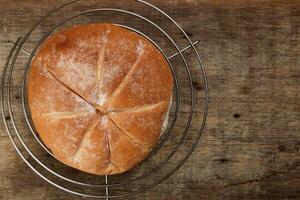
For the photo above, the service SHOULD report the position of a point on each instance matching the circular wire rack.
(187, 116)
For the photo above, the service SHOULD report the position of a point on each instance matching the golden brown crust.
(98, 93)
(142, 124)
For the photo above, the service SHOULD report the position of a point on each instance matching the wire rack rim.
(178, 97)
(170, 173)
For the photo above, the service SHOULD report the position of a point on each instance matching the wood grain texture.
(251, 145)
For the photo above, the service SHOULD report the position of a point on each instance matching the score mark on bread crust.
(128, 75)
(84, 138)
(138, 109)
(66, 115)
(100, 69)
(129, 136)
(66, 86)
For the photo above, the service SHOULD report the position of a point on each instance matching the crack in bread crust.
(126, 78)
(109, 153)
(66, 86)
(90, 128)
(110, 168)
(65, 115)
(114, 164)
(128, 135)
(138, 109)
(100, 69)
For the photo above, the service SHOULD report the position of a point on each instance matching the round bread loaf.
(98, 96)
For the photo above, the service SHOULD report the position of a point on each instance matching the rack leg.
(184, 49)
(106, 188)
(23, 50)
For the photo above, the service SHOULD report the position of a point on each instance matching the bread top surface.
(98, 96)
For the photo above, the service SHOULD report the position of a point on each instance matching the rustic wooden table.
(251, 144)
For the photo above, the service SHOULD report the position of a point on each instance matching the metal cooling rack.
(62, 181)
